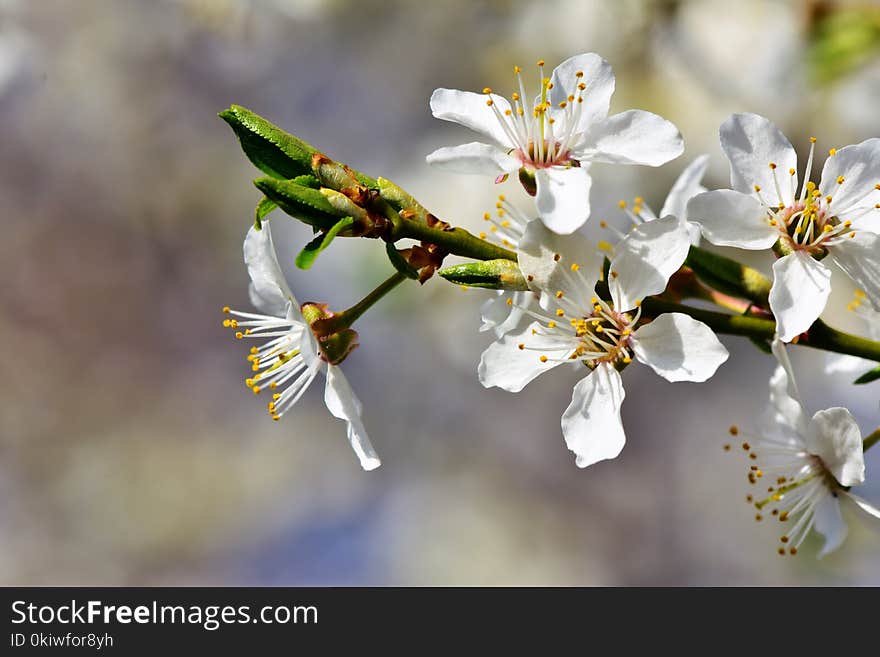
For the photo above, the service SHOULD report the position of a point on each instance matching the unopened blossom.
(555, 136)
(574, 325)
(289, 358)
(838, 218)
(804, 466)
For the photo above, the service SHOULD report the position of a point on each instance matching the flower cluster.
(562, 299)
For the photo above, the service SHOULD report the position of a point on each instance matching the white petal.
(342, 403)
(864, 505)
(859, 165)
(563, 198)
(679, 348)
(510, 368)
(599, 79)
(631, 137)
(686, 186)
(645, 259)
(728, 218)
(800, 290)
(546, 258)
(473, 158)
(834, 436)
(751, 143)
(859, 257)
(785, 412)
(501, 317)
(828, 521)
(269, 290)
(470, 110)
(591, 424)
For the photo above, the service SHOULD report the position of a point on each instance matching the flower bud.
(501, 274)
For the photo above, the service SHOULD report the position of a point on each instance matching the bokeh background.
(131, 451)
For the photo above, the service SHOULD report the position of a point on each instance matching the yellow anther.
(482, 236)
(832, 152)
(757, 188)
(256, 390)
(582, 86)
(543, 359)
(551, 324)
(733, 430)
(603, 224)
(487, 90)
(627, 360)
(791, 172)
(239, 335)
(560, 312)
(517, 70)
(540, 62)
(579, 74)
(575, 266)
(254, 350)
(559, 294)
(621, 204)
(828, 200)
(227, 309)
(273, 385)
(490, 102)
(556, 257)
(840, 180)
(773, 165)
(812, 140)
(521, 346)
(509, 301)
(486, 216)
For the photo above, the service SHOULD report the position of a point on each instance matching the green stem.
(820, 335)
(348, 317)
(456, 241)
(729, 276)
(871, 440)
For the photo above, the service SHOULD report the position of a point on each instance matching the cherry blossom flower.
(289, 358)
(839, 218)
(556, 137)
(810, 463)
(574, 325)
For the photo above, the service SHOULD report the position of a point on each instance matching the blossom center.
(542, 134)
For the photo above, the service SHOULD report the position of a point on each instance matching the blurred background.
(131, 452)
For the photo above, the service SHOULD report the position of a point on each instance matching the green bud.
(344, 204)
(271, 149)
(304, 203)
(501, 274)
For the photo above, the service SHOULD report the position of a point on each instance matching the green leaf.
(307, 256)
(271, 149)
(264, 207)
(304, 203)
(867, 377)
(501, 274)
(399, 262)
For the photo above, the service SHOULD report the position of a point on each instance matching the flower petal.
(631, 137)
(728, 218)
(859, 165)
(501, 317)
(645, 259)
(470, 110)
(599, 80)
(859, 257)
(834, 436)
(269, 290)
(591, 424)
(686, 186)
(342, 403)
(563, 198)
(864, 505)
(679, 348)
(800, 290)
(546, 260)
(785, 416)
(473, 158)
(828, 521)
(506, 366)
(751, 143)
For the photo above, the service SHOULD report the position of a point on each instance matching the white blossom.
(573, 325)
(289, 359)
(839, 218)
(555, 137)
